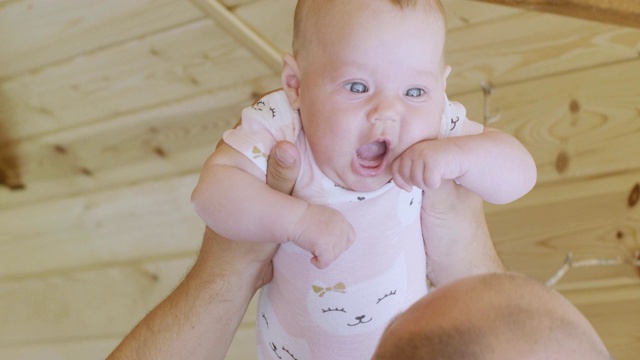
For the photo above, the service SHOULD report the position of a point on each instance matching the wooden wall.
(109, 108)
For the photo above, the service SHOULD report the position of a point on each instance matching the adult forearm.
(457, 239)
(199, 319)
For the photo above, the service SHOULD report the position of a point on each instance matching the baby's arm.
(489, 162)
(233, 200)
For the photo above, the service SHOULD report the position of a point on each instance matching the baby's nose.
(386, 109)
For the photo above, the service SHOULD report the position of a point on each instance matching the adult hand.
(282, 171)
(457, 238)
(198, 320)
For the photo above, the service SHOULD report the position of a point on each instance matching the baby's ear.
(445, 74)
(291, 80)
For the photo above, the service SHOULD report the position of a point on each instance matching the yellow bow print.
(339, 287)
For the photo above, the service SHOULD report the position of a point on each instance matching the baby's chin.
(366, 184)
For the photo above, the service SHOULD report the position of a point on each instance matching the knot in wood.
(634, 196)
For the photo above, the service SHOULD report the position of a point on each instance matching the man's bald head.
(493, 316)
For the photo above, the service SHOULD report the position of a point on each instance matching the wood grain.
(526, 46)
(614, 312)
(37, 33)
(151, 220)
(90, 304)
(172, 139)
(165, 67)
(618, 12)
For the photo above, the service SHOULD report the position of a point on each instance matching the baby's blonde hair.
(306, 8)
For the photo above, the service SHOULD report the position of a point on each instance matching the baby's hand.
(427, 163)
(324, 232)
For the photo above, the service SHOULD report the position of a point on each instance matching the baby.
(364, 100)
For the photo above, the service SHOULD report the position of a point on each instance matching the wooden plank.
(260, 16)
(174, 138)
(64, 316)
(97, 349)
(246, 35)
(462, 13)
(614, 312)
(34, 33)
(529, 45)
(592, 218)
(85, 305)
(169, 66)
(618, 12)
(236, 3)
(243, 346)
(577, 125)
(151, 220)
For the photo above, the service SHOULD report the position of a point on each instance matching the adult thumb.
(283, 166)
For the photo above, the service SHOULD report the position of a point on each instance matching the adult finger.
(283, 166)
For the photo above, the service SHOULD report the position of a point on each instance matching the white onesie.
(339, 312)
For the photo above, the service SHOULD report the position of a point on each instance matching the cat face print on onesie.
(343, 308)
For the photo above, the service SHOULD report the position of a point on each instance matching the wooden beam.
(246, 35)
(618, 12)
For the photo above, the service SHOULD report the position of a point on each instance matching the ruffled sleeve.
(268, 121)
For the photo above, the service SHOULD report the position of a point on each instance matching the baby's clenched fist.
(324, 232)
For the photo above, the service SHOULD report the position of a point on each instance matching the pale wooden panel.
(243, 346)
(529, 45)
(614, 311)
(150, 220)
(591, 218)
(576, 125)
(236, 3)
(169, 66)
(171, 139)
(272, 19)
(144, 285)
(34, 33)
(618, 12)
(85, 305)
(462, 13)
(96, 349)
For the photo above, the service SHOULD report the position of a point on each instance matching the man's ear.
(445, 75)
(291, 80)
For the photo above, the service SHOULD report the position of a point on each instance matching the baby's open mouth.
(372, 154)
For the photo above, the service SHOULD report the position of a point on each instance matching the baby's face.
(372, 84)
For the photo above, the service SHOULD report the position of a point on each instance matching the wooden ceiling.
(109, 108)
(617, 12)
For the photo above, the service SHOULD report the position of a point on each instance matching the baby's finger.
(399, 170)
(319, 262)
(400, 182)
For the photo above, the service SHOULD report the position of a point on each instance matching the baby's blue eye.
(357, 87)
(415, 92)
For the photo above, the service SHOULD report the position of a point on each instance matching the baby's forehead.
(312, 16)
